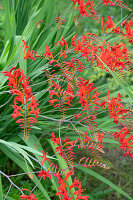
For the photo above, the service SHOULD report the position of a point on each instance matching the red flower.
(116, 108)
(54, 139)
(44, 174)
(110, 23)
(44, 159)
(116, 30)
(82, 197)
(62, 191)
(75, 1)
(128, 154)
(75, 183)
(28, 197)
(52, 61)
(63, 43)
(33, 103)
(63, 97)
(123, 24)
(100, 137)
(116, 57)
(84, 92)
(30, 54)
(126, 140)
(69, 173)
(25, 46)
(33, 106)
(106, 2)
(20, 88)
(79, 193)
(78, 115)
(48, 53)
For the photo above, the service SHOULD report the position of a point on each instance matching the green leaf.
(118, 80)
(15, 147)
(19, 160)
(63, 166)
(1, 190)
(111, 141)
(30, 144)
(105, 180)
(9, 198)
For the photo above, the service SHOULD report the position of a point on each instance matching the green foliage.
(106, 181)
(100, 192)
(22, 21)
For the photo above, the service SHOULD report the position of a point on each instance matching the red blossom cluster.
(28, 197)
(62, 190)
(65, 148)
(32, 55)
(64, 195)
(68, 87)
(116, 57)
(44, 174)
(29, 54)
(24, 101)
(63, 183)
(85, 88)
(116, 3)
(85, 46)
(64, 45)
(86, 9)
(116, 108)
(127, 31)
(107, 2)
(125, 138)
(60, 96)
(125, 28)
(69, 70)
(109, 23)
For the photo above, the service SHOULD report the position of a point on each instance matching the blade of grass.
(117, 79)
(31, 143)
(21, 163)
(105, 180)
(1, 190)
(63, 165)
